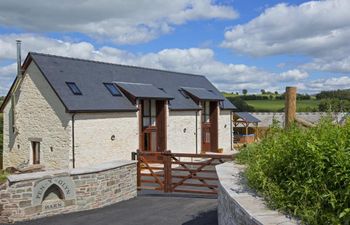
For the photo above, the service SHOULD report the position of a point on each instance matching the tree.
(334, 105)
(263, 91)
(241, 105)
(276, 92)
(244, 91)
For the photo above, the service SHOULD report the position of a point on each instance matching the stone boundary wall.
(35, 195)
(238, 205)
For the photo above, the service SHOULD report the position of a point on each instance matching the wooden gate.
(179, 172)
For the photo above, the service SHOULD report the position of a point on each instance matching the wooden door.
(206, 143)
(209, 126)
(153, 125)
(148, 125)
(150, 139)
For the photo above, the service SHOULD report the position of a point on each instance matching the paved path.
(146, 209)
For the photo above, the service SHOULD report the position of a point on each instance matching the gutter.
(196, 132)
(231, 131)
(73, 140)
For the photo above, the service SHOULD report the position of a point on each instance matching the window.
(183, 93)
(206, 112)
(112, 89)
(36, 152)
(149, 113)
(162, 89)
(74, 88)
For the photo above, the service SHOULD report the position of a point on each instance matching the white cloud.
(328, 64)
(318, 29)
(331, 83)
(121, 21)
(227, 77)
(312, 28)
(293, 75)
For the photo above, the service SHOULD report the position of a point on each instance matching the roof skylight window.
(112, 89)
(183, 93)
(74, 88)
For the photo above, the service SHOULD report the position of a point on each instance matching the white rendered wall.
(224, 124)
(182, 132)
(93, 132)
(39, 115)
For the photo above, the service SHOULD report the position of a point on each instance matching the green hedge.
(304, 172)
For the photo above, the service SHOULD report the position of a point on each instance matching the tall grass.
(304, 172)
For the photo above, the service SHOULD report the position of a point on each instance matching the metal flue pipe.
(19, 58)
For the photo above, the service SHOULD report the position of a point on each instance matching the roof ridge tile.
(113, 64)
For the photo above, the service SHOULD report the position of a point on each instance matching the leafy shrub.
(334, 105)
(3, 176)
(339, 94)
(304, 172)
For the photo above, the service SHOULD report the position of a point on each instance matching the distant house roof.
(141, 91)
(247, 117)
(267, 118)
(203, 94)
(90, 77)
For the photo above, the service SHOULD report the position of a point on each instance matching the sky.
(236, 44)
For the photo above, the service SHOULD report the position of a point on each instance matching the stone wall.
(38, 112)
(93, 137)
(34, 195)
(182, 132)
(224, 126)
(238, 205)
(266, 118)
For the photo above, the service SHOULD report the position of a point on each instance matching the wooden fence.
(179, 172)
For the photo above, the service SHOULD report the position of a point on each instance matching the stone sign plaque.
(65, 186)
(52, 205)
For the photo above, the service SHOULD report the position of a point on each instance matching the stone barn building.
(65, 113)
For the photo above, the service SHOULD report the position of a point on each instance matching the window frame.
(74, 88)
(149, 115)
(206, 112)
(112, 85)
(36, 154)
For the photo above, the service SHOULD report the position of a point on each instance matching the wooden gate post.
(167, 171)
(290, 106)
(138, 153)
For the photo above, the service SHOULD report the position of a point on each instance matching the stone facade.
(238, 205)
(182, 132)
(98, 137)
(225, 129)
(93, 137)
(41, 194)
(38, 112)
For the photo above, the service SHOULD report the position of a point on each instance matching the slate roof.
(203, 94)
(246, 116)
(143, 91)
(89, 76)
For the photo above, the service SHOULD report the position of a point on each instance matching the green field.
(278, 105)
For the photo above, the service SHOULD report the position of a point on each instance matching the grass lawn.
(277, 105)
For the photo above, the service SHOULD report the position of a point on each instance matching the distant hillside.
(335, 101)
(338, 94)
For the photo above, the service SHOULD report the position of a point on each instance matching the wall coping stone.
(234, 185)
(67, 172)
